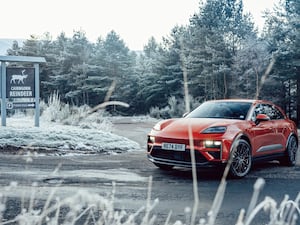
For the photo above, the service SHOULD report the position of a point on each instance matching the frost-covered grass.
(89, 208)
(53, 137)
(66, 130)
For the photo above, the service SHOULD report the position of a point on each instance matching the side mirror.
(261, 117)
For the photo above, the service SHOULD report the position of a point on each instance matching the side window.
(276, 114)
(258, 110)
(269, 110)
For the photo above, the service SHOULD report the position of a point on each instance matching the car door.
(264, 134)
(279, 127)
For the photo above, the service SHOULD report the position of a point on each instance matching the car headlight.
(212, 144)
(214, 130)
(151, 139)
(157, 127)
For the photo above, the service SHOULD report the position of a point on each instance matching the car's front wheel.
(241, 160)
(289, 158)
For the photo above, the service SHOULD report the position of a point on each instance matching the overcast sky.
(134, 20)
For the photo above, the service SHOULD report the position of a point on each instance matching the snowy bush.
(63, 129)
(56, 111)
(175, 108)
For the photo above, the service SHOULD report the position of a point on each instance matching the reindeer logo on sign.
(18, 78)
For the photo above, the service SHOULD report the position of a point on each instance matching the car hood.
(178, 128)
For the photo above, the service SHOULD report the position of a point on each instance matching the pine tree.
(249, 66)
(115, 76)
(293, 17)
(15, 49)
(282, 33)
(151, 66)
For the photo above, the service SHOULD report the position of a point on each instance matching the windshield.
(227, 110)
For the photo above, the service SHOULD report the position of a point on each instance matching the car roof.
(253, 101)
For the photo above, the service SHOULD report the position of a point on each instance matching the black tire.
(163, 166)
(290, 155)
(241, 160)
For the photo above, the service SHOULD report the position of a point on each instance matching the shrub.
(56, 111)
(175, 108)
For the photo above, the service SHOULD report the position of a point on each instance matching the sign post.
(37, 95)
(3, 93)
(20, 85)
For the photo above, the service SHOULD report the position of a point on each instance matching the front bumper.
(181, 159)
(181, 163)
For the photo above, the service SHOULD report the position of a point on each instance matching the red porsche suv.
(222, 131)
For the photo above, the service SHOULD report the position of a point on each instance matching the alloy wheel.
(241, 160)
(291, 152)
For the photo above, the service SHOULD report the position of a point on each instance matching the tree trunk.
(225, 95)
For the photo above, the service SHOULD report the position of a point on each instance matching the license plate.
(174, 147)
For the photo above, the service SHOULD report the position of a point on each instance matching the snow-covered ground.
(55, 138)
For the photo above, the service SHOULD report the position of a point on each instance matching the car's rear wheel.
(289, 158)
(163, 166)
(241, 160)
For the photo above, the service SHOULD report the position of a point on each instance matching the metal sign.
(20, 82)
(19, 85)
(20, 105)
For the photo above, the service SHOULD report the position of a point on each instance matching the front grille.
(185, 156)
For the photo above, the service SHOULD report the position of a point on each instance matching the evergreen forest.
(221, 52)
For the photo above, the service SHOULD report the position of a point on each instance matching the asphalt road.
(131, 172)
